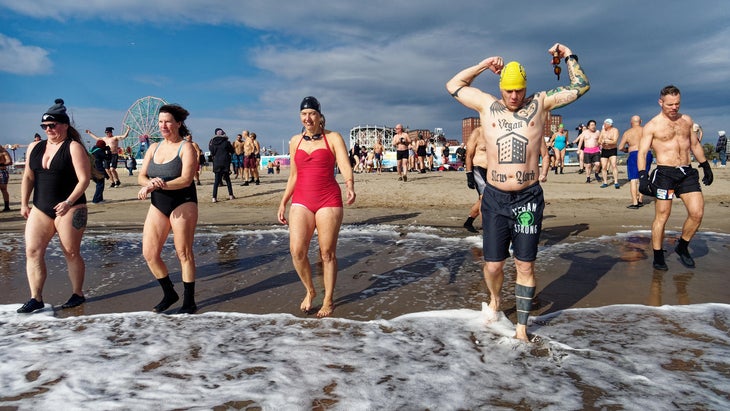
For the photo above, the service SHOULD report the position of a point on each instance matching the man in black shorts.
(608, 139)
(512, 203)
(672, 138)
(401, 142)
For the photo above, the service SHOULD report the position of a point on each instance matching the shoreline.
(439, 199)
(237, 274)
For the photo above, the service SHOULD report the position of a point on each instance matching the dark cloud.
(386, 62)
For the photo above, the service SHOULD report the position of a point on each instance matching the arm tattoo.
(456, 93)
(579, 85)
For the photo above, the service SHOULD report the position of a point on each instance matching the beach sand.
(575, 211)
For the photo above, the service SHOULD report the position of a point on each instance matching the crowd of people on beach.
(505, 161)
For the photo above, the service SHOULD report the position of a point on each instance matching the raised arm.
(123, 136)
(94, 136)
(579, 85)
(460, 85)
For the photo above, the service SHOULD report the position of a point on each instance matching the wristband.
(68, 203)
(572, 56)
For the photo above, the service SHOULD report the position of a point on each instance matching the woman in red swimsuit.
(316, 200)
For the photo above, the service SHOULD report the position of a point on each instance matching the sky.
(248, 64)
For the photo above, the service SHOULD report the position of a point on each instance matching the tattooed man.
(512, 203)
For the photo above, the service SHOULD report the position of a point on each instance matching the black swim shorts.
(671, 181)
(609, 152)
(511, 217)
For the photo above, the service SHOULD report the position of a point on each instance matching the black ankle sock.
(659, 256)
(170, 296)
(469, 221)
(682, 246)
(188, 295)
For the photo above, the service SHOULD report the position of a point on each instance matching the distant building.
(413, 134)
(467, 126)
(552, 123)
(367, 136)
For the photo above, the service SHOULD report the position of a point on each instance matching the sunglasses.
(51, 126)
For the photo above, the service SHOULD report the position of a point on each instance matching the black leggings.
(221, 176)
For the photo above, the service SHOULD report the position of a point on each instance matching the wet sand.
(575, 212)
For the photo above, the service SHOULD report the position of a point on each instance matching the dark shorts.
(591, 157)
(609, 152)
(4, 177)
(421, 151)
(632, 165)
(237, 160)
(113, 160)
(511, 217)
(480, 178)
(250, 161)
(670, 181)
(401, 155)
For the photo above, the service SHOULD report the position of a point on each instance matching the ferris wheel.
(141, 117)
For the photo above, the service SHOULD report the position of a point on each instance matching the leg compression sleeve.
(523, 295)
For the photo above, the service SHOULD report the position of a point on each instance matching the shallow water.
(384, 271)
(618, 357)
(410, 333)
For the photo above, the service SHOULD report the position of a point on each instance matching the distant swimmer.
(113, 142)
(608, 139)
(401, 142)
(588, 140)
(513, 202)
(672, 138)
(630, 143)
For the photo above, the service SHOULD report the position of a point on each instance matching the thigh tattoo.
(79, 218)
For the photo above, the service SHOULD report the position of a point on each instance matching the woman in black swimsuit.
(168, 177)
(57, 174)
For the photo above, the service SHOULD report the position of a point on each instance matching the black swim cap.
(310, 102)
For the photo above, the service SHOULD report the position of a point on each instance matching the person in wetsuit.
(168, 177)
(316, 200)
(57, 174)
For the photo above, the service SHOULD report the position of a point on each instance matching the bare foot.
(521, 333)
(326, 310)
(494, 304)
(307, 302)
(490, 315)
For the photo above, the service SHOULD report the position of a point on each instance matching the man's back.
(632, 137)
